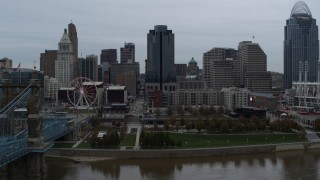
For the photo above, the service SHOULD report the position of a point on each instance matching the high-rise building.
(218, 67)
(180, 69)
(125, 74)
(160, 56)
(72, 32)
(193, 68)
(242, 65)
(64, 64)
(127, 53)
(5, 63)
(109, 56)
(88, 67)
(47, 61)
(301, 44)
(256, 77)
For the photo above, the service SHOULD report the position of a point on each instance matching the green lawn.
(129, 140)
(63, 145)
(203, 141)
(84, 145)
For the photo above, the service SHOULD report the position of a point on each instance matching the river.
(280, 165)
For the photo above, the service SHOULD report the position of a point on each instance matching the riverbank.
(83, 155)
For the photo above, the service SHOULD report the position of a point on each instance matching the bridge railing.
(13, 147)
(55, 128)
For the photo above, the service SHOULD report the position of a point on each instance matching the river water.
(302, 165)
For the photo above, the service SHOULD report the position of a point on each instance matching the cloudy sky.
(28, 27)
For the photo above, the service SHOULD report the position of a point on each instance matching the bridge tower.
(32, 165)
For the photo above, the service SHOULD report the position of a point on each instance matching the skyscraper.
(218, 68)
(47, 61)
(72, 32)
(64, 63)
(256, 77)
(160, 56)
(301, 44)
(127, 53)
(109, 56)
(88, 67)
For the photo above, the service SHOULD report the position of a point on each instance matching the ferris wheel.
(82, 92)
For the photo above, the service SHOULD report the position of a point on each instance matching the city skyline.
(197, 27)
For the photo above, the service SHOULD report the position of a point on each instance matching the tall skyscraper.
(218, 67)
(47, 61)
(64, 64)
(127, 53)
(88, 67)
(256, 77)
(109, 56)
(72, 32)
(160, 56)
(301, 44)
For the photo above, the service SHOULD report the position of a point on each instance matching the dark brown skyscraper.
(47, 60)
(72, 32)
(108, 55)
(127, 53)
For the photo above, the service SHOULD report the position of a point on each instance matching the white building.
(64, 62)
(235, 97)
(51, 86)
(208, 97)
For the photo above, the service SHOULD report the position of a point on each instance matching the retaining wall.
(175, 153)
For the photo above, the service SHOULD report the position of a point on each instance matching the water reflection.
(284, 165)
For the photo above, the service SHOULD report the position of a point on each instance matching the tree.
(170, 111)
(166, 125)
(199, 125)
(182, 121)
(188, 125)
(238, 126)
(177, 124)
(173, 121)
(212, 110)
(220, 110)
(224, 128)
(158, 112)
(96, 121)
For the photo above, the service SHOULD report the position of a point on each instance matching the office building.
(47, 62)
(193, 68)
(301, 44)
(218, 69)
(125, 74)
(109, 56)
(181, 71)
(5, 63)
(88, 67)
(160, 56)
(127, 53)
(72, 32)
(256, 77)
(64, 64)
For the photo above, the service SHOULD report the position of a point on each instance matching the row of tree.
(285, 125)
(149, 140)
(218, 124)
(109, 140)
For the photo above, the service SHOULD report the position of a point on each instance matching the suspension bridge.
(23, 127)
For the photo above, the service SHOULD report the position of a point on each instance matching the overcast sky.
(28, 27)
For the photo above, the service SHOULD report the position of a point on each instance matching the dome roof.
(192, 61)
(300, 8)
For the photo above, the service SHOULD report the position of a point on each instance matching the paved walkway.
(312, 136)
(137, 145)
(80, 140)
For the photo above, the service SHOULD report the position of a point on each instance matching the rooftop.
(300, 8)
(192, 61)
